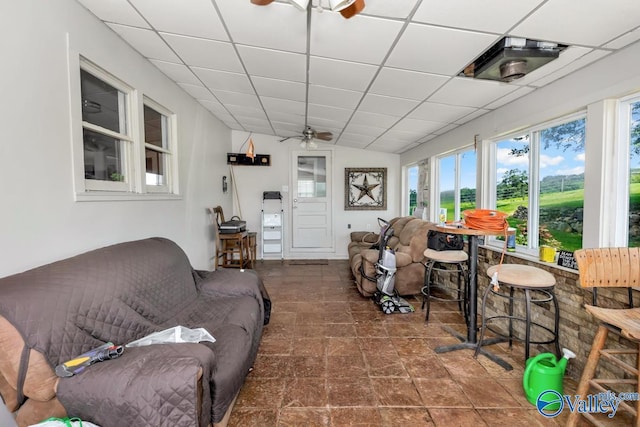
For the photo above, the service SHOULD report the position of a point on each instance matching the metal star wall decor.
(365, 189)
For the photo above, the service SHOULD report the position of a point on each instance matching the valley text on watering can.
(544, 373)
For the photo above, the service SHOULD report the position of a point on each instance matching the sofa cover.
(409, 241)
(118, 294)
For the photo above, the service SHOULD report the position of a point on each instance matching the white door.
(311, 199)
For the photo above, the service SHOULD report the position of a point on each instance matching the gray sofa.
(118, 294)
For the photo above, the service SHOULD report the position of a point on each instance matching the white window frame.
(168, 132)
(533, 220)
(621, 232)
(134, 187)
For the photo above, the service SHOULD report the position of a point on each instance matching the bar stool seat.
(446, 262)
(538, 287)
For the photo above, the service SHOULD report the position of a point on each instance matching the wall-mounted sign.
(242, 159)
(566, 259)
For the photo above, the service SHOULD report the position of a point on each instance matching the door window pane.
(412, 178)
(447, 181)
(467, 176)
(312, 176)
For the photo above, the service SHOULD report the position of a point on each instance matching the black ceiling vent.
(512, 58)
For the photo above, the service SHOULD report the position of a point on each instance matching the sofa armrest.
(364, 237)
(233, 283)
(160, 385)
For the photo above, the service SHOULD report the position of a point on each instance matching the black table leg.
(471, 340)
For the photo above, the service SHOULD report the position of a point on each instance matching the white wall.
(253, 180)
(39, 220)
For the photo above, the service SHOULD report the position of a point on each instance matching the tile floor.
(330, 357)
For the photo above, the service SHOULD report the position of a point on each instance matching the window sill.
(530, 258)
(107, 196)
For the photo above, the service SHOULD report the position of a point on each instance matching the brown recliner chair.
(409, 242)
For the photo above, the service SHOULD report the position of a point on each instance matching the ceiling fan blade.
(324, 136)
(353, 10)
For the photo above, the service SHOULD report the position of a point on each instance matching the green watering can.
(544, 372)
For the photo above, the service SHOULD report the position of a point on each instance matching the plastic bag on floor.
(64, 422)
(177, 334)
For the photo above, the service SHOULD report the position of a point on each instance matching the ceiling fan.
(347, 8)
(308, 136)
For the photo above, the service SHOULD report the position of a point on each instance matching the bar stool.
(613, 268)
(538, 288)
(446, 262)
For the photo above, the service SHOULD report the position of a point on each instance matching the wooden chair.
(233, 250)
(611, 268)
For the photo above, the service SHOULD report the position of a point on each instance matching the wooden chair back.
(609, 267)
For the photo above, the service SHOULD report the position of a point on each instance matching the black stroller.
(386, 296)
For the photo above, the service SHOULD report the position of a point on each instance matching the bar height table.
(471, 340)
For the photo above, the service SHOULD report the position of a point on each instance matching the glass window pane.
(447, 181)
(467, 180)
(103, 158)
(154, 128)
(155, 174)
(562, 185)
(512, 179)
(412, 178)
(101, 103)
(634, 178)
(312, 176)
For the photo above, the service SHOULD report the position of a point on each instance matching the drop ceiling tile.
(148, 43)
(358, 138)
(403, 136)
(333, 97)
(177, 72)
(471, 93)
(366, 39)
(426, 138)
(242, 111)
(279, 117)
(287, 129)
(624, 40)
(204, 53)
(116, 11)
(438, 50)
(445, 129)
(345, 142)
(273, 63)
(339, 115)
(246, 121)
(440, 112)
(406, 84)
(278, 26)
(372, 131)
(198, 91)
(283, 89)
(282, 105)
(417, 126)
(237, 98)
(479, 112)
(340, 74)
(266, 130)
(223, 80)
(520, 92)
(388, 145)
(213, 106)
(495, 16)
(397, 107)
(392, 9)
(593, 23)
(326, 125)
(364, 118)
(200, 19)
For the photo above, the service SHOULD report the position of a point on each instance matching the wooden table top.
(461, 229)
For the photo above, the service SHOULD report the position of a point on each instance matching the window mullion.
(533, 221)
